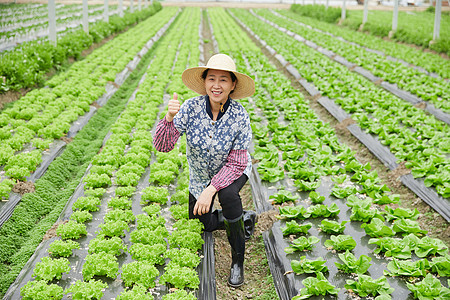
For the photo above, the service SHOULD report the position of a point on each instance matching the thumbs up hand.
(173, 108)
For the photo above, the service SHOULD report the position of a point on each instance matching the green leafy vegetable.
(400, 213)
(113, 245)
(116, 228)
(429, 288)
(41, 290)
(325, 211)
(63, 248)
(150, 253)
(301, 244)
(71, 230)
(315, 287)
(282, 196)
(407, 268)
(377, 228)
(139, 272)
(82, 290)
(154, 194)
(340, 242)
(48, 269)
(366, 286)
(392, 247)
(293, 227)
(180, 277)
(308, 266)
(179, 295)
(81, 216)
(353, 265)
(406, 226)
(183, 257)
(294, 212)
(332, 227)
(186, 239)
(100, 264)
(137, 293)
(316, 198)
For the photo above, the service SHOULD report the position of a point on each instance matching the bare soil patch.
(23, 187)
(258, 279)
(52, 231)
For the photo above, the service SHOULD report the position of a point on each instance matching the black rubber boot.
(220, 219)
(250, 219)
(236, 238)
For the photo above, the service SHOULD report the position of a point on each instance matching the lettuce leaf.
(353, 265)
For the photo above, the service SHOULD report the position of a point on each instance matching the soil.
(52, 231)
(258, 279)
(23, 187)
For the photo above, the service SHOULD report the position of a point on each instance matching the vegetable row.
(26, 65)
(379, 24)
(434, 90)
(284, 124)
(121, 164)
(33, 122)
(429, 61)
(418, 139)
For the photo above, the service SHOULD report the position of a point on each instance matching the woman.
(218, 135)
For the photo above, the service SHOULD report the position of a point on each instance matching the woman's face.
(218, 85)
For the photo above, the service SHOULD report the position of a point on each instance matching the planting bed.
(330, 223)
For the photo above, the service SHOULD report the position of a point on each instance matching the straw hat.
(192, 77)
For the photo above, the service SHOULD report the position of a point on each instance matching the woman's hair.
(233, 77)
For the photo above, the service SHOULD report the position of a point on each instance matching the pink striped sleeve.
(233, 169)
(166, 136)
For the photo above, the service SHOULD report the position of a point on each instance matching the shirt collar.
(225, 107)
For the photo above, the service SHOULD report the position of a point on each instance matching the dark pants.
(229, 199)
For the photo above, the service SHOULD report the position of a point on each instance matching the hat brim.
(192, 78)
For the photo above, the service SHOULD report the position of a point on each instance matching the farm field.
(350, 180)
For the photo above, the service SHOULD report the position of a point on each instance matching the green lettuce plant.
(282, 196)
(182, 257)
(101, 243)
(139, 272)
(377, 228)
(305, 265)
(407, 226)
(179, 295)
(301, 244)
(352, 265)
(180, 277)
(340, 242)
(294, 212)
(48, 269)
(367, 286)
(63, 248)
(92, 289)
(398, 248)
(441, 265)
(292, 227)
(333, 227)
(71, 230)
(138, 292)
(81, 216)
(316, 286)
(39, 289)
(100, 264)
(150, 253)
(407, 268)
(429, 288)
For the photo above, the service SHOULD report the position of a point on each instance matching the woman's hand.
(173, 108)
(204, 201)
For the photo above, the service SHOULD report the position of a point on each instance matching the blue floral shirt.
(209, 142)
